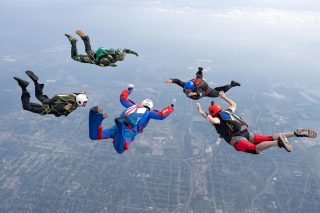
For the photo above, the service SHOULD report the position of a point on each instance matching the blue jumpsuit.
(122, 134)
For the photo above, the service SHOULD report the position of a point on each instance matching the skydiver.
(58, 105)
(102, 57)
(131, 122)
(235, 131)
(197, 88)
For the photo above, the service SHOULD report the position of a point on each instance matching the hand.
(134, 53)
(222, 94)
(168, 81)
(173, 102)
(68, 107)
(131, 87)
(112, 65)
(198, 106)
(192, 94)
(105, 115)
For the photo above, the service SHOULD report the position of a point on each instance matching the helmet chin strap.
(147, 108)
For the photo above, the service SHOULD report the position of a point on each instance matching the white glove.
(173, 102)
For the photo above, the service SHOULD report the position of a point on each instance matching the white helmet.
(81, 99)
(147, 103)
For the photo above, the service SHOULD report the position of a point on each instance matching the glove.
(173, 102)
(112, 65)
(131, 87)
(199, 109)
(134, 53)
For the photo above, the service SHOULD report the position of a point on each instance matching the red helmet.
(214, 109)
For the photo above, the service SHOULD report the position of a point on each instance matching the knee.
(75, 58)
(93, 137)
(246, 146)
(252, 151)
(120, 151)
(25, 107)
(126, 146)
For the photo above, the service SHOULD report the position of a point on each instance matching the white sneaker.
(284, 143)
(305, 133)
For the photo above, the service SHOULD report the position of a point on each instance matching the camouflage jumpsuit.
(102, 57)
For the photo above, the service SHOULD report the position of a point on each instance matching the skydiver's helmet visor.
(147, 103)
(214, 109)
(120, 55)
(189, 86)
(81, 100)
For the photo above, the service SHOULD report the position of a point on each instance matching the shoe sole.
(310, 133)
(235, 83)
(32, 75)
(286, 144)
(80, 33)
(94, 109)
(19, 80)
(97, 109)
(71, 39)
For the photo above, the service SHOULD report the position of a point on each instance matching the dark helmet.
(189, 85)
(214, 109)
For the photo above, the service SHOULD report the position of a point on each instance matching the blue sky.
(250, 36)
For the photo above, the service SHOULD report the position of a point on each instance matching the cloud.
(272, 16)
(56, 49)
(51, 81)
(204, 60)
(275, 95)
(9, 58)
(265, 15)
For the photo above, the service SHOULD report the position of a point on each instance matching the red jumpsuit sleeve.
(124, 100)
(165, 112)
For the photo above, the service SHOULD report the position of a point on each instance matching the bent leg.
(79, 58)
(224, 88)
(87, 46)
(124, 137)
(264, 142)
(32, 107)
(106, 133)
(96, 131)
(199, 74)
(83, 59)
(256, 139)
(74, 51)
(245, 146)
(39, 93)
(213, 93)
(265, 145)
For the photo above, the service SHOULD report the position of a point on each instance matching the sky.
(241, 38)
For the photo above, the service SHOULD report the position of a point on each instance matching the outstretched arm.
(124, 100)
(130, 52)
(206, 115)
(165, 112)
(232, 104)
(175, 81)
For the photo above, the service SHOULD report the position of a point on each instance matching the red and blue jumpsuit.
(123, 135)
